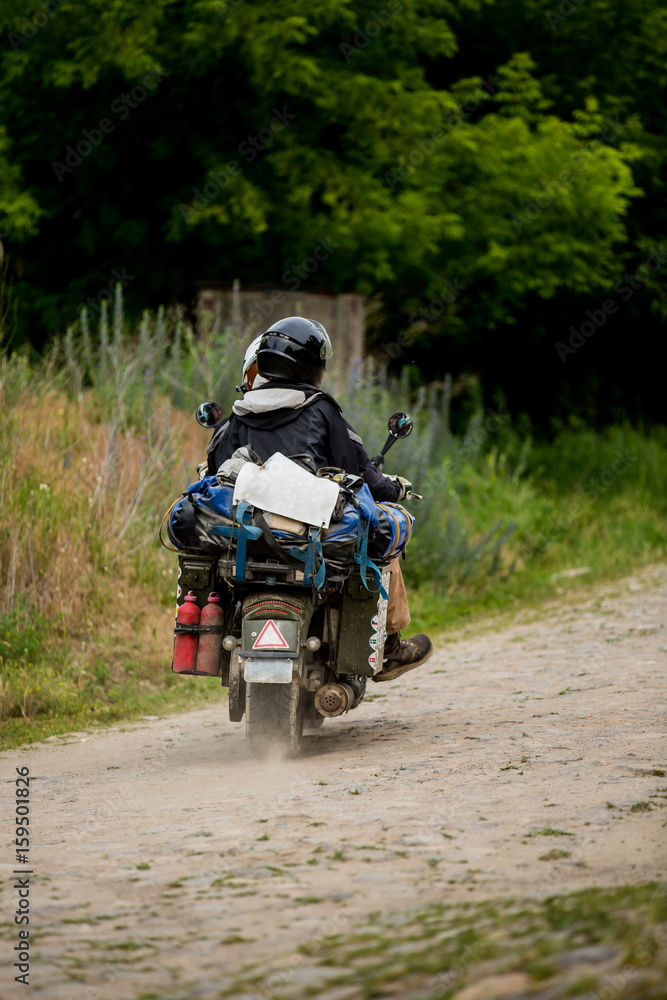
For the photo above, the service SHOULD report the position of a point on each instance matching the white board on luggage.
(280, 486)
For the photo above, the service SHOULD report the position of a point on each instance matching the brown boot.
(401, 655)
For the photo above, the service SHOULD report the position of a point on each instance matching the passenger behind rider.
(283, 409)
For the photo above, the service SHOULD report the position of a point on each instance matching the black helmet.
(295, 348)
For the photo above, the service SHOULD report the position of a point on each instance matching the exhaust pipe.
(334, 699)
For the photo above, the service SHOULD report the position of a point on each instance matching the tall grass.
(504, 516)
(98, 437)
(442, 466)
(92, 449)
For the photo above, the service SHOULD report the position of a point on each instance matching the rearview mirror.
(400, 424)
(208, 414)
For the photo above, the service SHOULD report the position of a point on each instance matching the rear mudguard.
(274, 629)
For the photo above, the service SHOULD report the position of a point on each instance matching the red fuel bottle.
(185, 641)
(210, 642)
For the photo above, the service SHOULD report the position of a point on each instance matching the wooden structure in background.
(252, 309)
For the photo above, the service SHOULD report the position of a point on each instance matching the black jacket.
(296, 419)
(293, 418)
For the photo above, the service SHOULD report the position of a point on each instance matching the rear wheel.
(274, 719)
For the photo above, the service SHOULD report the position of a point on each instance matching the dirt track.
(167, 860)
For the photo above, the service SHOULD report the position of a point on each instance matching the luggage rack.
(250, 556)
(247, 555)
(268, 571)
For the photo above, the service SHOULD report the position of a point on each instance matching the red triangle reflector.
(270, 638)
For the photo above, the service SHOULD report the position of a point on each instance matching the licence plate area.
(268, 670)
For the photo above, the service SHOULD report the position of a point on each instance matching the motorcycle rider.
(287, 412)
(250, 377)
(383, 488)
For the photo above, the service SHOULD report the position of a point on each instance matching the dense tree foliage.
(491, 172)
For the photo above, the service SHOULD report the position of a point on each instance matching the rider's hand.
(202, 470)
(404, 484)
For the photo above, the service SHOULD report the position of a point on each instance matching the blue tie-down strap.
(315, 570)
(365, 564)
(368, 507)
(242, 530)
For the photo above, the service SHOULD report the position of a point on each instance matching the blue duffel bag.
(208, 505)
(205, 505)
(393, 532)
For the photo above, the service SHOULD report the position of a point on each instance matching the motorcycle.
(296, 634)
